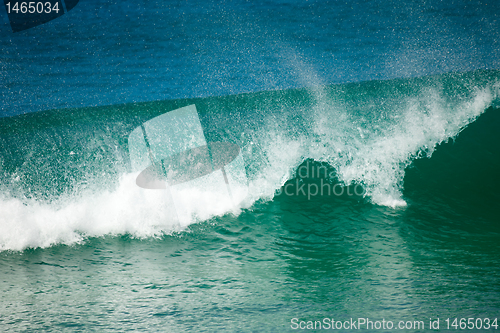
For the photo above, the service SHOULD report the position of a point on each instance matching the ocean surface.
(369, 135)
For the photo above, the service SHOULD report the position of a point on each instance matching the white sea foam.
(367, 147)
(366, 153)
(126, 209)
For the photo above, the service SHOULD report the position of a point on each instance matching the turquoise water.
(369, 135)
(420, 241)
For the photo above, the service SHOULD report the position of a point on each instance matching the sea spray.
(66, 180)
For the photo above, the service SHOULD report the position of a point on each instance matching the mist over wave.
(65, 176)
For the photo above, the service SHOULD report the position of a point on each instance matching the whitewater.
(63, 183)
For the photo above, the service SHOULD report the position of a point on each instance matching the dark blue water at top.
(110, 52)
(290, 257)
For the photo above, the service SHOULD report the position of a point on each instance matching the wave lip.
(68, 176)
(375, 148)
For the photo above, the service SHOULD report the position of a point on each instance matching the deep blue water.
(105, 52)
(397, 100)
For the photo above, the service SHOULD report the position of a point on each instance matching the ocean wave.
(65, 174)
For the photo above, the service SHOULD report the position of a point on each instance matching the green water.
(76, 257)
(281, 260)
